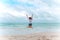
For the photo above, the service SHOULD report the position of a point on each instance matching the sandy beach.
(29, 34)
(35, 36)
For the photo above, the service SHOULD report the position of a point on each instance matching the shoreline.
(37, 33)
(24, 31)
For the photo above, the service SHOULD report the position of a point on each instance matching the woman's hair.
(30, 17)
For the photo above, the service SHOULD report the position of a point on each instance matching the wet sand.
(34, 36)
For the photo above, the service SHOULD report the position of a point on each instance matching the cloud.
(5, 9)
(57, 1)
(41, 9)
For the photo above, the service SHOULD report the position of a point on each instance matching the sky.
(44, 11)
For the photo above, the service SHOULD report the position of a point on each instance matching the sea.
(22, 28)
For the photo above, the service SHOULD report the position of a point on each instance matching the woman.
(30, 21)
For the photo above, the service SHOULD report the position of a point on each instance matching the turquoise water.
(33, 25)
(21, 28)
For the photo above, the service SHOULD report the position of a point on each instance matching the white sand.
(35, 36)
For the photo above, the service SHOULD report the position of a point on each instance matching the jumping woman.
(30, 21)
